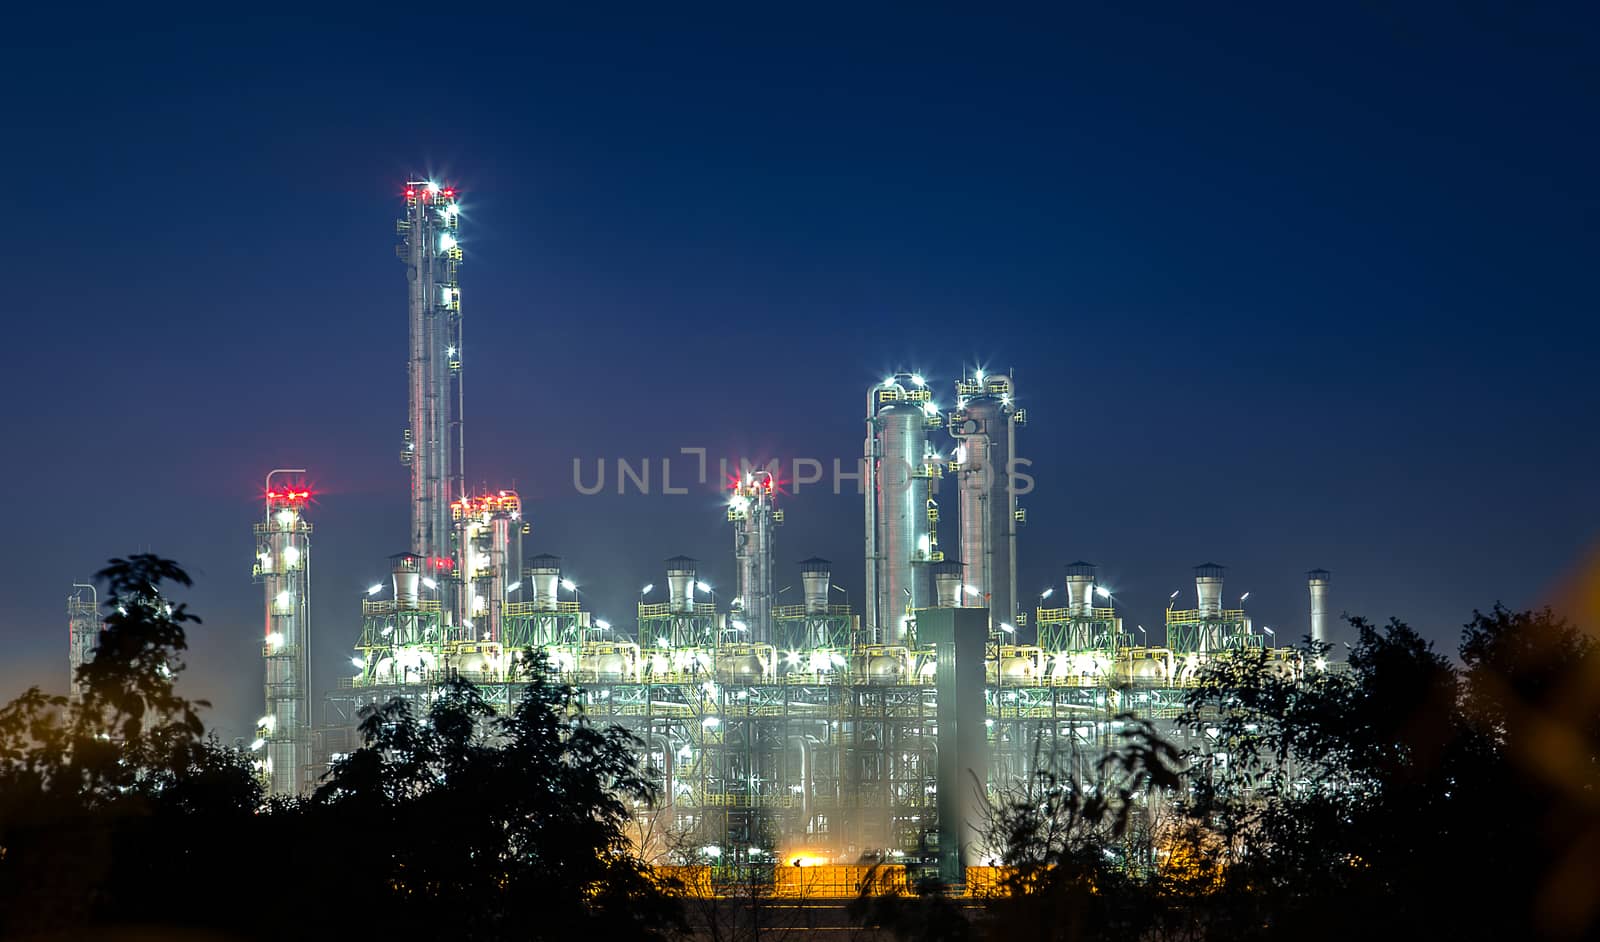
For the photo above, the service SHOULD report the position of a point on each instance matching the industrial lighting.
(1174, 594)
(275, 639)
(970, 590)
(446, 242)
(1269, 631)
(710, 722)
(602, 624)
(513, 587)
(980, 376)
(646, 590)
(1008, 629)
(1047, 593)
(358, 663)
(257, 744)
(1102, 591)
(267, 721)
(917, 378)
(568, 585)
(291, 555)
(1243, 597)
(702, 587)
(429, 583)
(449, 351)
(374, 589)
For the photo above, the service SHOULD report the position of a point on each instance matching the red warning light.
(410, 193)
(449, 193)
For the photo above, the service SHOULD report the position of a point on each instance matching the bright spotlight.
(374, 589)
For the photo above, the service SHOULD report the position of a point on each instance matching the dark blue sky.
(1280, 290)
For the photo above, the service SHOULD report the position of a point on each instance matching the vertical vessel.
(753, 516)
(433, 446)
(83, 631)
(900, 469)
(984, 427)
(283, 567)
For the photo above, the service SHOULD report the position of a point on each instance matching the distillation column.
(83, 631)
(489, 548)
(433, 440)
(283, 567)
(984, 426)
(900, 537)
(753, 516)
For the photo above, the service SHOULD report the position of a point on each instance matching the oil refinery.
(809, 736)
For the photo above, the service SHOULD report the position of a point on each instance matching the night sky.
(1279, 292)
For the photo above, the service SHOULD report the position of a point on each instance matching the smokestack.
(815, 576)
(407, 581)
(1208, 588)
(544, 575)
(680, 585)
(947, 583)
(1317, 580)
(1080, 588)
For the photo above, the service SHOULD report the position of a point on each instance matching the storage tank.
(544, 576)
(816, 575)
(1208, 589)
(680, 585)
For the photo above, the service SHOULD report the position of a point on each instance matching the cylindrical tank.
(407, 581)
(816, 575)
(902, 515)
(988, 505)
(1317, 581)
(947, 583)
(1208, 589)
(1080, 588)
(544, 579)
(680, 585)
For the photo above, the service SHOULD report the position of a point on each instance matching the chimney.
(815, 576)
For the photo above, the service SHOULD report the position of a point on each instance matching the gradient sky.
(1280, 291)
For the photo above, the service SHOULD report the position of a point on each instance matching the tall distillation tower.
(283, 567)
(83, 631)
(900, 509)
(984, 426)
(753, 516)
(433, 440)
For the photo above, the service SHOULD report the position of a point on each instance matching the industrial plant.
(810, 738)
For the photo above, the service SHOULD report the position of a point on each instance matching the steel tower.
(753, 517)
(283, 567)
(433, 447)
(83, 631)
